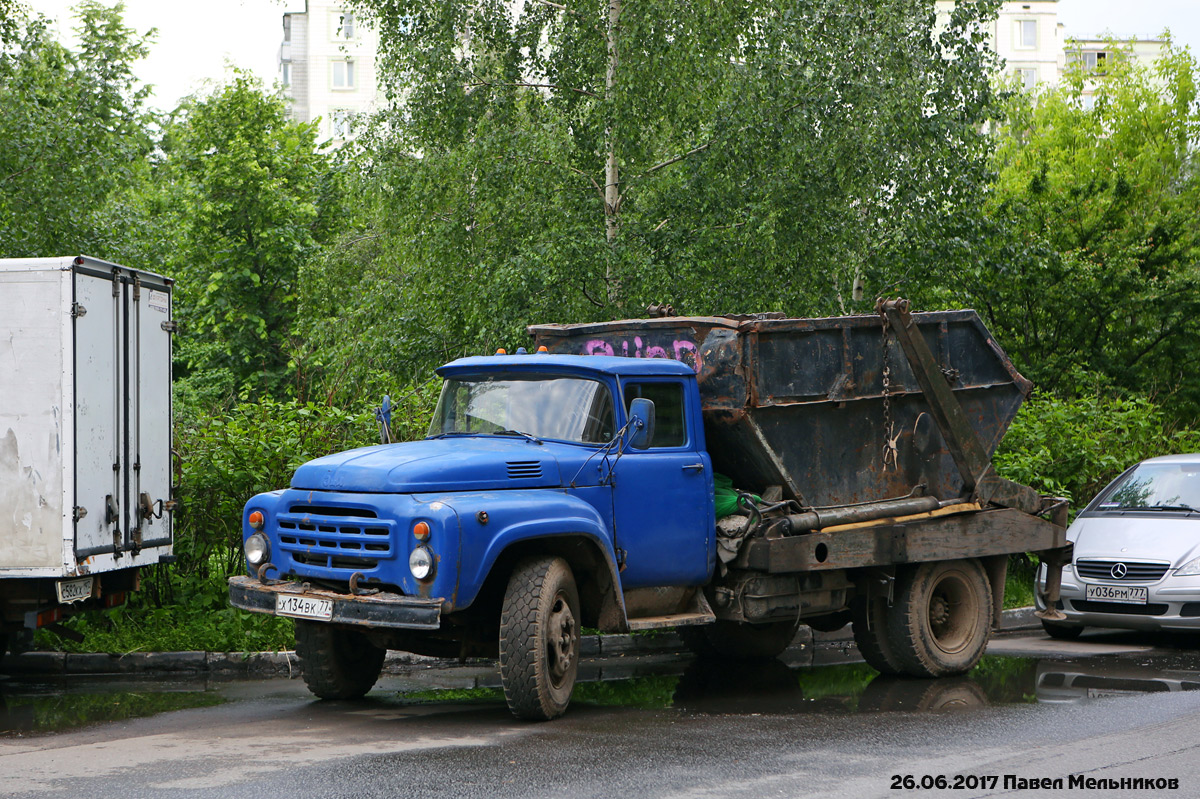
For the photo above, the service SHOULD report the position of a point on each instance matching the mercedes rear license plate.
(1129, 594)
(304, 607)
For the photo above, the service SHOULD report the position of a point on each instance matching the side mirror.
(641, 414)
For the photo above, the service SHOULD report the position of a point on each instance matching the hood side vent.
(524, 470)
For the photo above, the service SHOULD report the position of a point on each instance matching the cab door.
(663, 495)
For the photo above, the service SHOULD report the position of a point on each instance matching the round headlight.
(420, 563)
(258, 549)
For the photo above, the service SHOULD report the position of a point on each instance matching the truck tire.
(336, 663)
(870, 634)
(941, 619)
(741, 641)
(539, 638)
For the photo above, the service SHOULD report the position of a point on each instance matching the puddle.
(41, 706)
(762, 688)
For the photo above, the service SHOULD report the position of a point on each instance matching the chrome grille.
(1134, 572)
(524, 470)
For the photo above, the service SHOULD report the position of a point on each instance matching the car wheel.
(1062, 632)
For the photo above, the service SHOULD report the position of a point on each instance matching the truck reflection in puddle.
(55, 705)
(770, 687)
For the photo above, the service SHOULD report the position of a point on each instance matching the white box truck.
(85, 436)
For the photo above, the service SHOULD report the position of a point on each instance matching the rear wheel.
(336, 663)
(539, 638)
(870, 634)
(941, 619)
(1062, 632)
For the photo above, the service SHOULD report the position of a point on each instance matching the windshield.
(1158, 486)
(544, 406)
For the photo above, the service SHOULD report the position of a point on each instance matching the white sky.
(197, 40)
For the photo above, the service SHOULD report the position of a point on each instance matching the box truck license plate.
(74, 590)
(303, 607)
(1129, 594)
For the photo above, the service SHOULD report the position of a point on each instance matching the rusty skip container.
(829, 408)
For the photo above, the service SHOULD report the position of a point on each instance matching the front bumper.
(1172, 604)
(373, 610)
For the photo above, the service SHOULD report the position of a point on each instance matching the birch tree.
(552, 160)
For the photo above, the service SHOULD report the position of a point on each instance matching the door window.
(670, 424)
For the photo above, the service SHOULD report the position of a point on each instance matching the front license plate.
(1129, 594)
(303, 607)
(74, 590)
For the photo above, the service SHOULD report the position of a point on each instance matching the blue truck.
(577, 486)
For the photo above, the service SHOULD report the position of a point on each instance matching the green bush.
(1074, 447)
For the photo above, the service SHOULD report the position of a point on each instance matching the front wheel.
(539, 638)
(336, 663)
(941, 619)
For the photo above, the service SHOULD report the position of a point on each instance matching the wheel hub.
(561, 638)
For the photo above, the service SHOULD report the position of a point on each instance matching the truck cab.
(588, 471)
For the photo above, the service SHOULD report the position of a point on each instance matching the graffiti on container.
(681, 350)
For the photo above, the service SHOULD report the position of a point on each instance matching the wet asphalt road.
(1109, 706)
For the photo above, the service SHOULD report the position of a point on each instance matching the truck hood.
(465, 463)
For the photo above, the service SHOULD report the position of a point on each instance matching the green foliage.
(250, 198)
(1093, 232)
(1075, 447)
(75, 134)
(199, 619)
(229, 457)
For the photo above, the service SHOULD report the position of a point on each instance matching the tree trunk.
(612, 185)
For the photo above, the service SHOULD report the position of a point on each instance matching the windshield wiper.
(532, 438)
(1178, 506)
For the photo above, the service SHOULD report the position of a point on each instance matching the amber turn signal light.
(256, 519)
(421, 531)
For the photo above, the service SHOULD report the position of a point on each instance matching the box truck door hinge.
(116, 281)
(137, 288)
(170, 326)
(80, 512)
(77, 310)
(111, 511)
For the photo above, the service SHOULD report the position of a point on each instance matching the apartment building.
(1037, 47)
(327, 67)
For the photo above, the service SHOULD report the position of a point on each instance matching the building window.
(343, 74)
(285, 73)
(1027, 34)
(340, 123)
(343, 25)
(1028, 76)
(1092, 60)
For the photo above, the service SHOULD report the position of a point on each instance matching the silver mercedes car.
(1136, 563)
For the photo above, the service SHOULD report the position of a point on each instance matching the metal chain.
(890, 453)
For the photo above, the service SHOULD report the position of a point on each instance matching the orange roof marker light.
(543, 350)
(502, 351)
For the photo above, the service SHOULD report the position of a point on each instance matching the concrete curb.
(285, 664)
